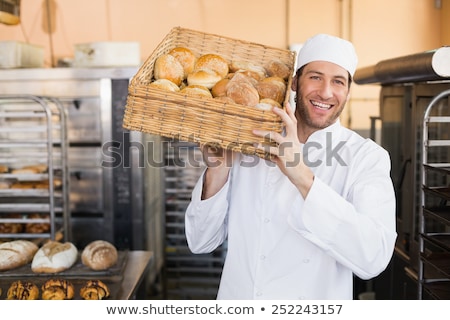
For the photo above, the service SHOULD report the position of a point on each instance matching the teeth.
(321, 105)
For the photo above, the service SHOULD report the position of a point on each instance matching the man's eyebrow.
(321, 73)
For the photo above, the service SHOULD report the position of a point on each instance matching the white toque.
(324, 47)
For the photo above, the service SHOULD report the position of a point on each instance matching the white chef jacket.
(281, 246)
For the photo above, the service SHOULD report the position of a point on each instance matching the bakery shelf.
(440, 261)
(441, 192)
(439, 290)
(33, 133)
(434, 235)
(442, 240)
(441, 214)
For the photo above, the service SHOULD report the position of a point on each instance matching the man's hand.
(287, 154)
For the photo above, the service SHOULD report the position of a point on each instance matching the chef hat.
(323, 47)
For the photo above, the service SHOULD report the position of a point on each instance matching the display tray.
(78, 275)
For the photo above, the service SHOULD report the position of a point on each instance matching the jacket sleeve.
(357, 229)
(206, 220)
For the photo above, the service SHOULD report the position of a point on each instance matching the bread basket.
(202, 120)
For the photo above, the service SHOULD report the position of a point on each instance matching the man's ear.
(294, 83)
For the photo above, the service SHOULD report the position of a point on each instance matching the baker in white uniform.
(300, 226)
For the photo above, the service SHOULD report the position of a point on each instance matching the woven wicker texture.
(202, 120)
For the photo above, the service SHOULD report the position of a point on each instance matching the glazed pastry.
(57, 289)
(23, 290)
(94, 290)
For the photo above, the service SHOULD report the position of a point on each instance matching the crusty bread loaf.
(99, 255)
(54, 257)
(16, 253)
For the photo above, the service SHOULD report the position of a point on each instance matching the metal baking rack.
(33, 133)
(434, 220)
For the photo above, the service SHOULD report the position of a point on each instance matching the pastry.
(23, 290)
(39, 227)
(99, 255)
(16, 253)
(54, 257)
(57, 289)
(94, 290)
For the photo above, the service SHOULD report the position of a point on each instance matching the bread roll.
(243, 93)
(168, 67)
(275, 68)
(23, 290)
(255, 71)
(196, 91)
(16, 253)
(220, 88)
(214, 63)
(224, 99)
(267, 104)
(273, 88)
(165, 84)
(205, 78)
(54, 257)
(4, 169)
(99, 255)
(186, 58)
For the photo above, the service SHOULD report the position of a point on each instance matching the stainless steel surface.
(138, 264)
(425, 66)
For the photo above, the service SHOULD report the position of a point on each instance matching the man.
(300, 226)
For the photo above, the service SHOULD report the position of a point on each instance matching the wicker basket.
(202, 120)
